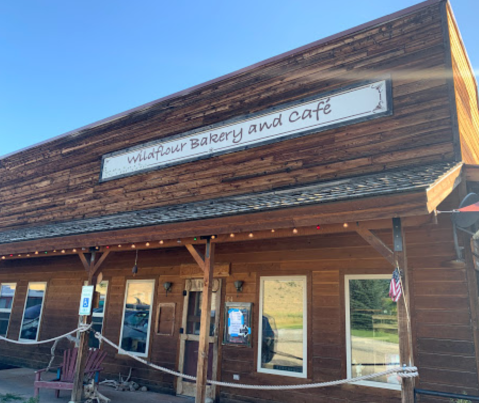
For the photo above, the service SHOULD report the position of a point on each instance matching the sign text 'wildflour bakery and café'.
(277, 124)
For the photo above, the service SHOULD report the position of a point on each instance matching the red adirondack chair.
(66, 371)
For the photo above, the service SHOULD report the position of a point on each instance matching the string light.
(272, 231)
(345, 225)
(147, 244)
(194, 239)
(19, 255)
(295, 231)
(36, 252)
(108, 247)
(251, 235)
(213, 236)
(63, 250)
(161, 242)
(3, 257)
(179, 240)
(119, 246)
(74, 251)
(133, 246)
(318, 226)
(54, 251)
(232, 235)
(28, 254)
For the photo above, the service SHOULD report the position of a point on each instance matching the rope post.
(77, 391)
(404, 314)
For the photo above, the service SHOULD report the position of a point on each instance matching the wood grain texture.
(443, 334)
(58, 181)
(466, 97)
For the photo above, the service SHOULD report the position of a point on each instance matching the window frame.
(347, 306)
(8, 310)
(41, 311)
(147, 347)
(96, 315)
(259, 369)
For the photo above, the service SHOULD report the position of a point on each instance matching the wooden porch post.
(207, 265)
(397, 258)
(92, 269)
(404, 310)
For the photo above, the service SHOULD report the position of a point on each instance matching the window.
(7, 293)
(282, 326)
(136, 321)
(371, 329)
(98, 314)
(32, 313)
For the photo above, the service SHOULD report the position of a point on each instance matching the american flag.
(395, 286)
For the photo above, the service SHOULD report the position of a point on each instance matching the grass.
(9, 398)
(391, 338)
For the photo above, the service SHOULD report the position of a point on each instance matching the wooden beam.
(86, 265)
(377, 244)
(77, 390)
(372, 208)
(203, 348)
(404, 319)
(100, 262)
(310, 229)
(197, 255)
(443, 188)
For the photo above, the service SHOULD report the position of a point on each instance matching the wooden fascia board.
(450, 83)
(471, 173)
(442, 188)
(372, 208)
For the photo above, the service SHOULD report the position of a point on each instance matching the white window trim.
(381, 385)
(96, 315)
(304, 374)
(128, 282)
(8, 310)
(41, 312)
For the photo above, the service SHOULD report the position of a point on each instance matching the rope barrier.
(82, 328)
(403, 372)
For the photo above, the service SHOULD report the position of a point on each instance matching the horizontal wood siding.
(465, 89)
(443, 334)
(58, 181)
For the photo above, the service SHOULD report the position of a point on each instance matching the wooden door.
(190, 336)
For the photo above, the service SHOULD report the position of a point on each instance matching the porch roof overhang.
(404, 192)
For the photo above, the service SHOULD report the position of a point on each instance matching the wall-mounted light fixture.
(239, 286)
(167, 285)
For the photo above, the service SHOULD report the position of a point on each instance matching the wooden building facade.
(296, 183)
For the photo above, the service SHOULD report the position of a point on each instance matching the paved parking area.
(19, 382)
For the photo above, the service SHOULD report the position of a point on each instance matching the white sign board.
(235, 322)
(86, 300)
(281, 123)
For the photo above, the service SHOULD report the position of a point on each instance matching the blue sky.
(65, 64)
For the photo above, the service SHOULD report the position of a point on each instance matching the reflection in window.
(194, 313)
(33, 311)
(7, 292)
(98, 314)
(283, 326)
(373, 341)
(137, 316)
